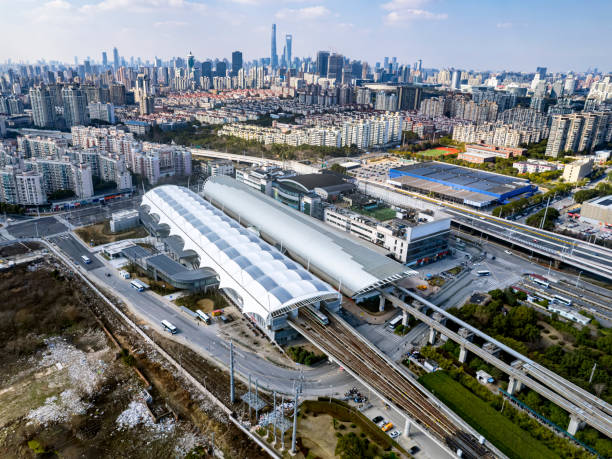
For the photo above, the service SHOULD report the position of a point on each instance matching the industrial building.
(598, 210)
(262, 177)
(339, 259)
(266, 285)
(459, 184)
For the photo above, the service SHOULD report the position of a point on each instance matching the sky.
(518, 35)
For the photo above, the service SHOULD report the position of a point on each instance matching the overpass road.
(581, 404)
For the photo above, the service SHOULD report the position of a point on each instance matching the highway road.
(153, 309)
(582, 255)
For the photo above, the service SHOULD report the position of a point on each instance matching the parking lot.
(379, 171)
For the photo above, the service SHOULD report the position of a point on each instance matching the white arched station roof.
(269, 283)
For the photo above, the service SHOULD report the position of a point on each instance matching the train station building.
(265, 284)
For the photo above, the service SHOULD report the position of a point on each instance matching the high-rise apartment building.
(273, 54)
(43, 107)
(117, 94)
(578, 132)
(75, 106)
(236, 62)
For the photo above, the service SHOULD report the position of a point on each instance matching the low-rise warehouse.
(598, 211)
(459, 184)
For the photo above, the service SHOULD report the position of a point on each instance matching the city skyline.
(163, 28)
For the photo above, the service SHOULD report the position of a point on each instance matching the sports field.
(495, 427)
(440, 151)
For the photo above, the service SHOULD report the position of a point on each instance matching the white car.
(508, 252)
(395, 434)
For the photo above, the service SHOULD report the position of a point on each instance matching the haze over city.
(466, 34)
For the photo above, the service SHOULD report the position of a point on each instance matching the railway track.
(393, 385)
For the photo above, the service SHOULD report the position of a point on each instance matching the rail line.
(347, 349)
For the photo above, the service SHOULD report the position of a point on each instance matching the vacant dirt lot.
(67, 390)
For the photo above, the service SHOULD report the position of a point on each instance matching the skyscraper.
(322, 57)
(335, 62)
(541, 72)
(75, 106)
(236, 62)
(190, 63)
(115, 59)
(104, 59)
(456, 80)
(273, 55)
(43, 107)
(221, 69)
(288, 44)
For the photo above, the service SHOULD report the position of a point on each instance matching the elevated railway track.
(345, 347)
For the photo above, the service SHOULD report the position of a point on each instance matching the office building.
(115, 59)
(541, 73)
(43, 107)
(288, 50)
(147, 105)
(236, 62)
(273, 54)
(322, 59)
(117, 94)
(578, 170)
(75, 106)
(104, 59)
(335, 62)
(220, 167)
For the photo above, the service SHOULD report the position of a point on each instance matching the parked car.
(377, 419)
(414, 450)
(395, 434)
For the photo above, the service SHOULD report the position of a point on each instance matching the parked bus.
(139, 285)
(203, 316)
(483, 273)
(169, 327)
(85, 259)
(562, 300)
(321, 318)
(394, 322)
(540, 282)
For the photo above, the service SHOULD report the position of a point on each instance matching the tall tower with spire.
(273, 55)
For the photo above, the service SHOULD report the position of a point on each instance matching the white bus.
(394, 323)
(483, 273)
(139, 285)
(203, 317)
(169, 327)
(85, 259)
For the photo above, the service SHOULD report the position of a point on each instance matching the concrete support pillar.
(575, 425)
(514, 386)
(432, 335)
(463, 354)
(381, 303)
(407, 428)
(405, 318)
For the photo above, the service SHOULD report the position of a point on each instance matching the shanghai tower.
(273, 55)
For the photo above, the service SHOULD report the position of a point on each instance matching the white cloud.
(170, 24)
(401, 11)
(510, 25)
(309, 12)
(132, 6)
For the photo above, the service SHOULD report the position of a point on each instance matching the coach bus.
(169, 327)
(139, 285)
(562, 300)
(540, 282)
(394, 323)
(483, 273)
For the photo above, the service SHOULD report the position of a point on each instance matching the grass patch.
(100, 233)
(381, 214)
(502, 432)
(433, 153)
